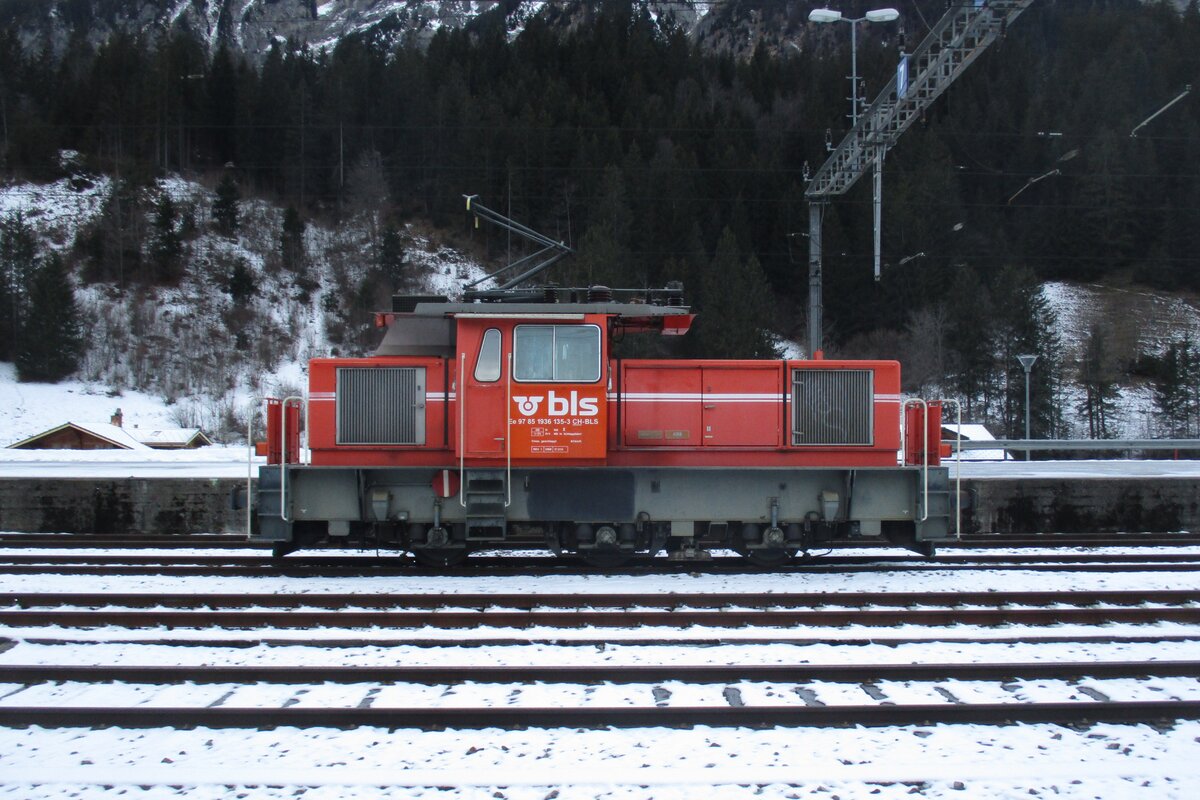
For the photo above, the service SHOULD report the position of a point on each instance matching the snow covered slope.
(199, 353)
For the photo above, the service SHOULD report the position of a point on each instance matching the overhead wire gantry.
(958, 38)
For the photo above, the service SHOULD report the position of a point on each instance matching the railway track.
(274, 656)
(598, 611)
(193, 565)
(238, 541)
(718, 695)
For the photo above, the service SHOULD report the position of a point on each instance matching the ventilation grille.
(383, 405)
(833, 406)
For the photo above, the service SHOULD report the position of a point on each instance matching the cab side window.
(557, 353)
(487, 364)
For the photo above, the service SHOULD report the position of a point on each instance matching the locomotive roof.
(620, 310)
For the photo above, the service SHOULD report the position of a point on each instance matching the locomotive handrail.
(924, 451)
(283, 462)
(957, 469)
(1080, 444)
(508, 431)
(461, 399)
(254, 412)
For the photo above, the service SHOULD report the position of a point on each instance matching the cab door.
(484, 395)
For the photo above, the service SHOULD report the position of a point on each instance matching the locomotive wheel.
(605, 559)
(439, 557)
(769, 557)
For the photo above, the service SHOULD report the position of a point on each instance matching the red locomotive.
(481, 425)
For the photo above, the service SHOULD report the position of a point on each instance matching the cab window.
(487, 365)
(556, 353)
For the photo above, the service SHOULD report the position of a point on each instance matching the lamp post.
(875, 15)
(1027, 365)
(830, 15)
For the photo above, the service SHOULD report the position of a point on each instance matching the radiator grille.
(383, 405)
(833, 406)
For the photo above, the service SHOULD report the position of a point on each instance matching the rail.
(1078, 444)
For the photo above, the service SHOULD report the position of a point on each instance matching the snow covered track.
(1073, 712)
(365, 683)
(610, 611)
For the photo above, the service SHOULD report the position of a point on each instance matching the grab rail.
(924, 450)
(461, 399)
(283, 462)
(508, 431)
(957, 469)
(254, 413)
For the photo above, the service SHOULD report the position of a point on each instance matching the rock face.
(251, 26)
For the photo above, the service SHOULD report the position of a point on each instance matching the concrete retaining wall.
(126, 505)
(181, 505)
(1093, 505)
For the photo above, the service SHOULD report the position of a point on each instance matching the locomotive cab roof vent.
(407, 303)
(599, 294)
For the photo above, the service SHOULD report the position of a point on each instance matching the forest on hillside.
(658, 160)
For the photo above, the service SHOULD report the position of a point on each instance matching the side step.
(939, 524)
(486, 494)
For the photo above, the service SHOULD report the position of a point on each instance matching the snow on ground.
(58, 210)
(1135, 322)
(932, 761)
(940, 762)
(27, 409)
(1133, 319)
(937, 761)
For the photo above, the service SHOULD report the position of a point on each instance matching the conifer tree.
(391, 258)
(736, 313)
(167, 246)
(1097, 375)
(115, 245)
(604, 253)
(1024, 324)
(968, 306)
(291, 241)
(1175, 387)
(52, 338)
(18, 265)
(225, 205)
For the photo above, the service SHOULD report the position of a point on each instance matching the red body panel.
(921, 441)
(688, 404)
(322, 407)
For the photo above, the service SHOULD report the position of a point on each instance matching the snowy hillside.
(199, 354)
(1135, 322)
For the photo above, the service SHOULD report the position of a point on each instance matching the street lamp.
(1027, 365)
(1067, 156)
(875, 15)
(830, 15)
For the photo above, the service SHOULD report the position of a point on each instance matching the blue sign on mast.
(902, 77)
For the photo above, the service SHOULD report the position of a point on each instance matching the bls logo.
(570, 406)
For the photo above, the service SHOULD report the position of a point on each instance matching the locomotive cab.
(488, 425)
(533, 389)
